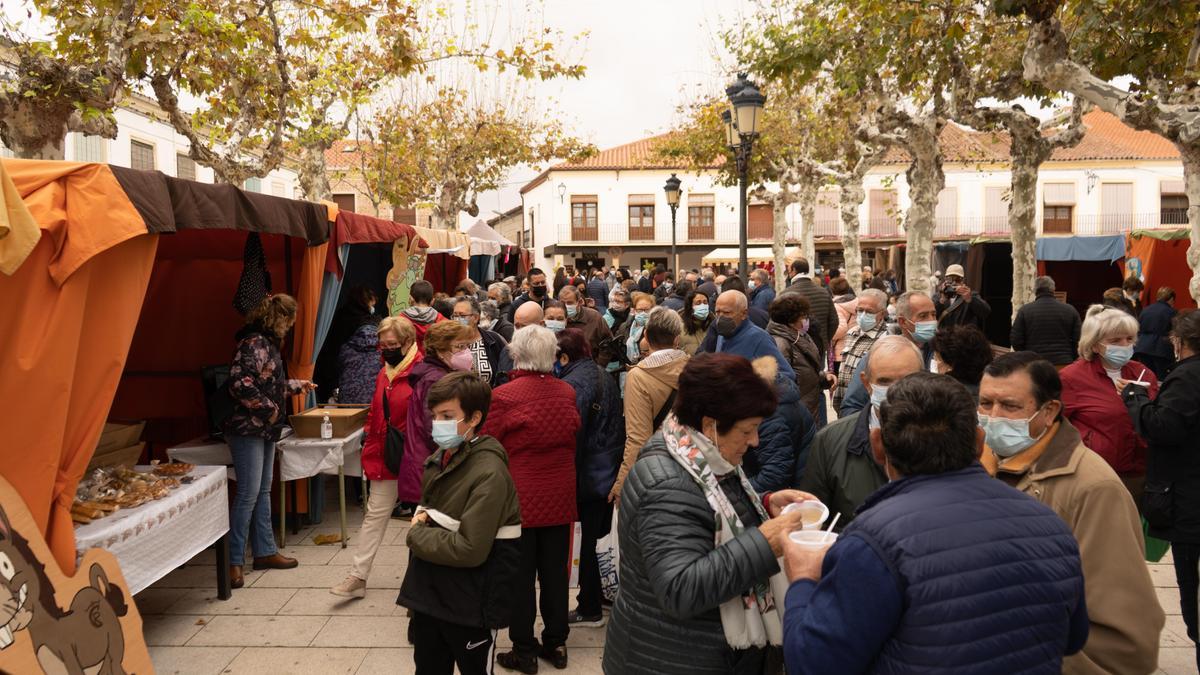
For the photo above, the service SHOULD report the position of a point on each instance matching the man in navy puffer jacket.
(942, 570)
(778, 461)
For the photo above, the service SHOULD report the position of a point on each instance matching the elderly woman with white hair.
(1090, 393)
(534, 418)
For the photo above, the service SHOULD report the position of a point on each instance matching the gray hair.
(1101, 324)
(618, 291)
(878, 295)
(533, 348)
(489, 310)
(902, 303)
(708, 275)
(503, 290)
(470, 300)
(568, 289)
(663, 327)
(1043, 284)
(893, 344)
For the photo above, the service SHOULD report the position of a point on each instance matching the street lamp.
(672, 190)
(741, 130)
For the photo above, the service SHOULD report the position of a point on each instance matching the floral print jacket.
(259, 385)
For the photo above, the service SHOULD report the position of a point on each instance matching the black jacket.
(783, 440)
(952, 311)
(1048, 327)
(497, 353)
(1154, 327)
(600, 441)
(823, 317)
(1171, 424)
(674, 579)
(464, 559)
(503, 327)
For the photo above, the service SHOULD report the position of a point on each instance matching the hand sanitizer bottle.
(326, 428)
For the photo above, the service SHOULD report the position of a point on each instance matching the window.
(185, 167)
(641, 217)
(277, 189)
(88, 148)
(1172, 204)
(252, 185)
(345, 202)
(995, 209)
(1116, 207)
(527, 233)
(946, 215)
(141, 156)
(884, 212)
(701, 217)
(1057, 219)
(584, 223)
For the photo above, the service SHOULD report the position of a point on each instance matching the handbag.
(393, 444)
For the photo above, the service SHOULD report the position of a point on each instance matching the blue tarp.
(1111, 248)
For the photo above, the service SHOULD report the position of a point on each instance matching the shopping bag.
(1155, 548)
(573, 570)
(608, 555)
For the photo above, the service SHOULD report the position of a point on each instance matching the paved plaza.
(286, 621)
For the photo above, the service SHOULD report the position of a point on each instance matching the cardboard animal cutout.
(59, 625)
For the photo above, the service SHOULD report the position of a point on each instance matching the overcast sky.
(644, 58)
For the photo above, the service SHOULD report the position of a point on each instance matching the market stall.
(1159, 258)
(487, 247)
(755, 255)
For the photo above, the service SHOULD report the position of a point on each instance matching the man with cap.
(957, 305)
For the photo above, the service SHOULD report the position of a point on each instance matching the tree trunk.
(1191, 180)
(808, 214)
(34, 131)
(314, 179)
(1022, 212)
(779, 233)
(925, 180)
(849, 202)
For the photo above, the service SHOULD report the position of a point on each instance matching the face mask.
(878, 396)
(462, 360)
(464, 320)
(726, 326)
(804, 326)
(1008, 437)
(572, 310)
(752, 285)
(537, 291)
(700, 312)
(641, 318)
(866, 321)
(393, 357)
(555, 325)
(445, 433)
(618, 308)
(486, 324)
(924, 331)
(1117, 356)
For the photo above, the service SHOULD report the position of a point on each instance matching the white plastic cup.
(815, 513)
(813, 540)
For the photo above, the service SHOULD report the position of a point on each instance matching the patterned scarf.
(753, 619)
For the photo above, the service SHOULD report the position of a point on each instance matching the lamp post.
(673, 193)
(741, 130)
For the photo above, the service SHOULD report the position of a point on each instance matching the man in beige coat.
(1030, 446)
(650, 387)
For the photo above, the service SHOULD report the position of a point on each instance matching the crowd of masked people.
(988, 504)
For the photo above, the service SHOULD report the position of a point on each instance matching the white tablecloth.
(298, 457)
(151, 540)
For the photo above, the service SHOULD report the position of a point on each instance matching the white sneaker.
(352, 587)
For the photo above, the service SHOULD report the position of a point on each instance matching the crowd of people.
(971, 490)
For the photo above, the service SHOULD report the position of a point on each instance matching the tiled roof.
(1109, 138)
(962, 146)
(342, 155)
(630, 156)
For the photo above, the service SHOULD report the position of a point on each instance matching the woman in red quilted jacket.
(398, 347)
(534, 418)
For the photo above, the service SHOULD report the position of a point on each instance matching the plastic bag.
(1155, 548)
(608, 555)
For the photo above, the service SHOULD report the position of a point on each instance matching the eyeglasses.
(459, 346)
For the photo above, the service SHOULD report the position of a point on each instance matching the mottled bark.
(1022, 211)
(849, 202)
(779, 233)
(807, 193)
(1191, 184)
(925, 180)
(314, 178)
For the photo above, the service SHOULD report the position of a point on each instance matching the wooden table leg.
(224, 591)
(295, 502)
(342, 501)
(282, 516)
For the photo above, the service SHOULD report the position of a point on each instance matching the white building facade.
(611, 209)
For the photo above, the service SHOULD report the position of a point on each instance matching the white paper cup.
(813, 540)
(815, 513)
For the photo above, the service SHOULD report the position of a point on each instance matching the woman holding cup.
(692, 601)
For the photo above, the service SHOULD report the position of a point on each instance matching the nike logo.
(473, 645)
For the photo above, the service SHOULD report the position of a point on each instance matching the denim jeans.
(253, 458)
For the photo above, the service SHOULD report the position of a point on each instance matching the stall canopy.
(1062, 249)
(91, 285)
(1159, 258)
(485, 240)
(756, 254)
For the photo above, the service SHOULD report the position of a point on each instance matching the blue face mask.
(700, 312)
(878, 396)
(1008, 437)
(572, 310)
(924, 331)
(445, 433)
(464, 320)
(641, 318)
(556, 325)
(866, 322)
(1116, 356)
